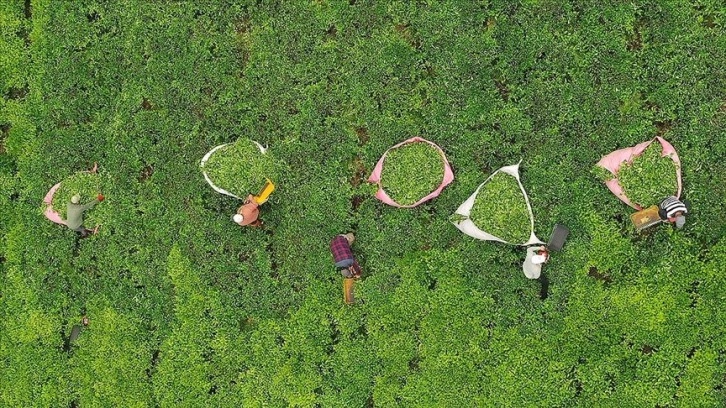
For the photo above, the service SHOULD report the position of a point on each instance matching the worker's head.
(76, 199)
(680, 220)
(539, 259)
(350, 237)
(238, 218)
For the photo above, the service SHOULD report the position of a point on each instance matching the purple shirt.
(340, 248)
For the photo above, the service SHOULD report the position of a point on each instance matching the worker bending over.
(74, 217)
(343, 256)
(536, 257)
(673, 210)
(249, 212)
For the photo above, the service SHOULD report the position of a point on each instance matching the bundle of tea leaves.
(240, 168)
(650, 177)
(411, 172)
(500, 209)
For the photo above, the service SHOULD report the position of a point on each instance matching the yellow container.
(264, 194)
(348, 290)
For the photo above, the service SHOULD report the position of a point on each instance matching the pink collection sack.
(49, 212)
(614, 160)
(381, 194)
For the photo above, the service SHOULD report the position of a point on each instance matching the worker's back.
(531, 270)
(74, 214)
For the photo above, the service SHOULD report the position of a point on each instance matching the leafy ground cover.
(500, 209)
(411, 172)
(240, 168)
(650, 177)
(187, 309)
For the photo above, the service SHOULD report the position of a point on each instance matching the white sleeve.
(531, 271)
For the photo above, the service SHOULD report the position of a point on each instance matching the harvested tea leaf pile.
(240, 168)
(601, 173)
(411, 172)
(650, 177)
(88, 185)
(500, 209)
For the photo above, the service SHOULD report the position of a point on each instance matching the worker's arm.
(91, 204)
(355, 269)
(251, 200)
(94, 202)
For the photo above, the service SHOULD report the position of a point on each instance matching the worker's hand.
(100, 198)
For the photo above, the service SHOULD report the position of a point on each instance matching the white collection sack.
(467, 226)
(209, 181)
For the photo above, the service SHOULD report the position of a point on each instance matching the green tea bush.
(500, 209)
(240, 168)
(650, 177)
(110, 362)
(411, 172)
(188, 309)
(189, 341)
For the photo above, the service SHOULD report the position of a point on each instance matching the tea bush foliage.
(187, 309)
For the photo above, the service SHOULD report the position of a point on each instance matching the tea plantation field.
(188, 309)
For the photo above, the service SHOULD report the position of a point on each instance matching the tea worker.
(75, 332)
(343, 255)
(673, 210)
(532, 266)
(74, 215)
(248, 213)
